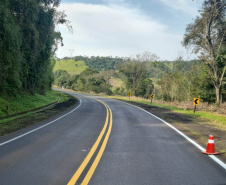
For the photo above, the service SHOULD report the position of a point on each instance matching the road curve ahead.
(104, 142)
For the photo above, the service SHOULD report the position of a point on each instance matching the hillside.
(168, 80)
(71, 66)
(77, 66)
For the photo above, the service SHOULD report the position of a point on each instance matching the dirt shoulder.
(196, 128)
(18, 122)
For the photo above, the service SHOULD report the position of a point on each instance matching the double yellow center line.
(93, 150)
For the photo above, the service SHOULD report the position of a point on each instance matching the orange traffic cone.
(210, 149)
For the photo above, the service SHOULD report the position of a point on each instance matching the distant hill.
(78, 64)
(71, 66)
(102, 63)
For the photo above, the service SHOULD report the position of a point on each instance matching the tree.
(27, 37)
(101, 63)
(10, 55)
(149, 57)
(208, 37)
(173, 86)
(61, 77)
(105, 76)
(135, 74)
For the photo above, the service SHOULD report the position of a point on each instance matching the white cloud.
(117, 31)
(113, 1)
(185, 6)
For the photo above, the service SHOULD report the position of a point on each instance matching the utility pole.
(71, 52)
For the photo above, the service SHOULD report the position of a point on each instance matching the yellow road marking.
(100, 153)
(92, 151)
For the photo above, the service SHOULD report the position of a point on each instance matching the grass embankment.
(71, 66)
(215, 118)
(22, 103)
(26, 110)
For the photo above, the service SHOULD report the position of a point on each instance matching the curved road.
(104, 142)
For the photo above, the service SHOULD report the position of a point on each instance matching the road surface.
(104, 142)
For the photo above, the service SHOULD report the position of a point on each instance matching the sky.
(125, 28)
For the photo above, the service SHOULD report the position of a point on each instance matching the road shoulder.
(195, 128)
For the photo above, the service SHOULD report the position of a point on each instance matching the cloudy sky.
(125, 28)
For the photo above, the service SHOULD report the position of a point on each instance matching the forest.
(28, 41)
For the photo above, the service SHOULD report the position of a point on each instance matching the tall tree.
(208, 37)
(27, 34)
(10, 55)
(135, 74)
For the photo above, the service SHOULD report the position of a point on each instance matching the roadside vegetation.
(216, 119)
(28, 42)
(29, 110)
(207, 36)
(13, 105)
(170, 81)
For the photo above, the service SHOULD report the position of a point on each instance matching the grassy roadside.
(34, 109)
(216, 119)
(22, 103)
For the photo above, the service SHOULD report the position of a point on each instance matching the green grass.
(206, 115)
(214, 118)
(26, 102)
(71, 66)
(33, 116)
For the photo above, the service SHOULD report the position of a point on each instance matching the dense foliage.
(135, 75)
(100, 63)
(185, 81)
(89, 80)
(207, 35)
(177, 80)
(27, 37)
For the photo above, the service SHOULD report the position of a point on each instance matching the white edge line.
(222, 164)
(18, 137)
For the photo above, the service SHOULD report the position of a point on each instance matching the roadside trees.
(208, 37)
(27, 38)
(105, 76)
(136, 77)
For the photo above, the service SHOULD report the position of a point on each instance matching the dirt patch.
(11, 125)
(196, 128)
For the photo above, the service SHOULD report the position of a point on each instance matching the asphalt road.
(101, 145)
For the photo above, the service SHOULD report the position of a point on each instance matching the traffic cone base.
(207, 153)
(210, 149)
